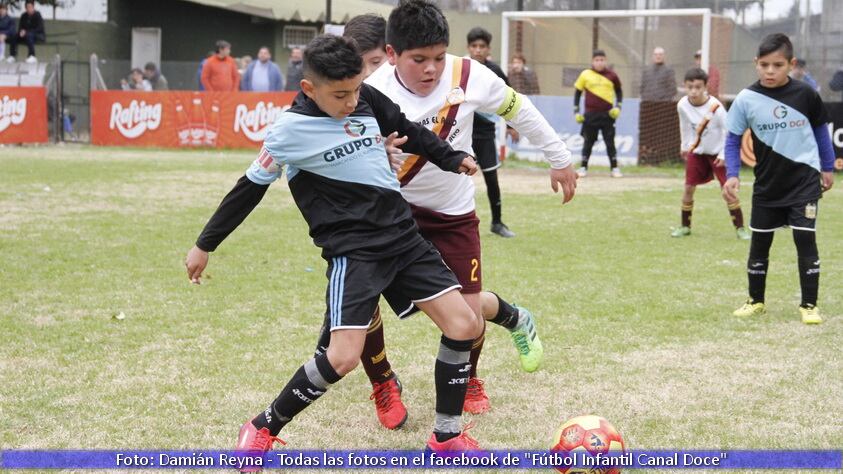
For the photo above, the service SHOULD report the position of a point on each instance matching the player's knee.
(342, 360)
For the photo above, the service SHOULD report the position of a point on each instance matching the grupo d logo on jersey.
(134, 120)
(780, 111)
(255, 122)
(354, 128)
(12, 112)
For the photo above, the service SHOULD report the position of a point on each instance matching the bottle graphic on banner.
(197, 123)
(212, 128)
(182, 124)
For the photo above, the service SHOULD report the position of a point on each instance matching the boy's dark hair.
(478, 33)
(776, 42)
(150, 67)
(801, 63)
(29, 2)
(368, 30)
(333, 58)
(416, 24)
(220, 45)
(598, 52)
(136, 70)
(696, 73)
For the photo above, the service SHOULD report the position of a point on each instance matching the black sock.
(756, 270)
(324, 337)
(809, 265)
(493, 190)
(756, 266)
(507, 314)
(309, 383)
(451, 377)
(613, 162)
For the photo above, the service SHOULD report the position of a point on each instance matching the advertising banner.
(177, 119)
(23, 115)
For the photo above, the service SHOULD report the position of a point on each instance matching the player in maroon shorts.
(702, 121)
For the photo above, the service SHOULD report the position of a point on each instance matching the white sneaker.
(616, 173)
(582, 172)
(31, 60)
(10, 59)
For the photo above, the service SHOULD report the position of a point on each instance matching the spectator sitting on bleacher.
(136, 82)
(7, 29)
(155, 78)
(30, 31)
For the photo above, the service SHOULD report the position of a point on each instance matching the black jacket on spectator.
(33, 23)
(7, 26)
(836, 83)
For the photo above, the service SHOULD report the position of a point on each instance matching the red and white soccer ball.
(591, 434)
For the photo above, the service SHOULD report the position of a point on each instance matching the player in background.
(794, 166)
(702, 124)
(603, 97)
(347, 193)
(483, 138)
(442, 92)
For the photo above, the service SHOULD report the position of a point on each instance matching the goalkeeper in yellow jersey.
(603, 96)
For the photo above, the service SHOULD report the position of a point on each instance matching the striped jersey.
(465, 87)
(781, 121)
(340, 177)
(702, 127)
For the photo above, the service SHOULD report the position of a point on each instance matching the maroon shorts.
(458, 240)
(700, 169)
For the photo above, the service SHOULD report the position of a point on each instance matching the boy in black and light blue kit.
(331, 141)
(795, 162)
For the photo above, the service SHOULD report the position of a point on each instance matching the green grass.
(636, 325)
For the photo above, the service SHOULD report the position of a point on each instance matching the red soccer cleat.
(255, 441)
(476, 401)
(391, 410)
(461, 443)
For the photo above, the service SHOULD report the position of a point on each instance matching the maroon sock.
(374, 357)
(687, 209)
(736, 213)
(476, 347)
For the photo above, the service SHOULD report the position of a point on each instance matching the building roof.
(300, 10)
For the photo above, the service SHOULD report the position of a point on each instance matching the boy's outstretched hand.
(567, 178)
(468, 166)
(195, 262)
(827, 180)
(730, 189)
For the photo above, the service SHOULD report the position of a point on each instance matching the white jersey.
(703, 127)
(465, 87)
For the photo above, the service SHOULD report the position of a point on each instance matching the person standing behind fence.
(658, 82)
(522, 78)
(30, 31)
(294, 71)
(219, 74)
(713, 75)
(155, 78)
(836, 83)
(7, 29)
(800, 72)
(262, 75)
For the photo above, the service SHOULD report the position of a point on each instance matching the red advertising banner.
(23, 115)
(184, 118)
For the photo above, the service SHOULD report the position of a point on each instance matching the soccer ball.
(591, 434)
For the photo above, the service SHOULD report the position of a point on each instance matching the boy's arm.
(420, 140)
(685, 130)
(232, 211)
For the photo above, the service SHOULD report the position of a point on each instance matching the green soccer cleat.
(526, 339)
(743, 233)
(750, 309)
(810, 314)
(681, 231)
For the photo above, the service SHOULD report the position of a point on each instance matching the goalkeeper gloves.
(615, 112)
(580, 118)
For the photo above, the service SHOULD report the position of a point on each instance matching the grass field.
(637, 326)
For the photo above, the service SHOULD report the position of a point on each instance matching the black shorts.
(355, 286)
(487, 156)
(799, 217)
